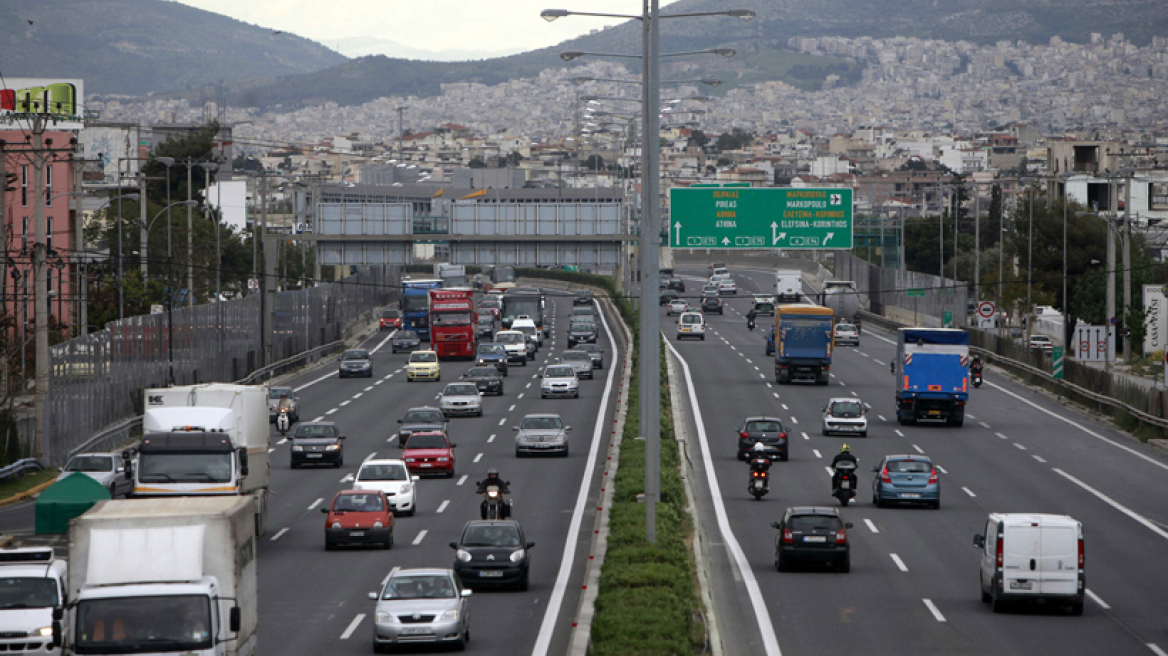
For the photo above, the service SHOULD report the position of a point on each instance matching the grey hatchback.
(906, 479)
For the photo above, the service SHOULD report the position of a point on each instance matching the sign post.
(914, 294)
(1057, 359)
(753, 218)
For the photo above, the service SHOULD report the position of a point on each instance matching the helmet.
(846, 449)
(758, 446)
(492, 473)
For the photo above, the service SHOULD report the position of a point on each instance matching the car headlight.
(463, 555)
(518, 555)
(378, 524)
(443, 459)
(406, 489)
(449, 615)
(336, 525)
(384, 617)
(44, 632)
(297, 449)
(409, 460)
(332, 447)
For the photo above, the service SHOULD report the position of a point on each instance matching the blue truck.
(416, 306)
(804, 338)
(932, 375)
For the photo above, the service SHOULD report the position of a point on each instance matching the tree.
(477, 163)
(697, 139)
(594, 163)
(735, 139)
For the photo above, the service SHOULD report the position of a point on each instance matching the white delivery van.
(1032, 557)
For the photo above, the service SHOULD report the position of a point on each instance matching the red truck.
(452, 328)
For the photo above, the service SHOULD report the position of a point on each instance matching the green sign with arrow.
(736, 217)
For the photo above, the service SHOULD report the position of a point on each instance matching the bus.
(452, 325)
(499, 277)
(416, 306)
(524, 300)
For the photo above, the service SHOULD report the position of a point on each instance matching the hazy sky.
(434, 25)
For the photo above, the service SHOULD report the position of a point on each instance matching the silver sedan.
(421, 606)
(461, 399)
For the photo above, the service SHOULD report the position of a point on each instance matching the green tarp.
(66, 499)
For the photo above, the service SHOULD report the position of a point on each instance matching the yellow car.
(423, 365)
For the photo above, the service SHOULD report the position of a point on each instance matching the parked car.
(274, 396)
(355, 362)
(845, 416)
(812, 534)
(106, 468)
(317, 443)
(594, 352)
(769, 431)
(423, 365)
(559, 380)
(404, 340)
(429, 453)
(390, 320)
(493, 553)
(461, 399)
(392, 478)
(1031, 557)
(486, 378)
(421, 605)
(358, 517)
(906, 479)
(541, 433)
(422, 419)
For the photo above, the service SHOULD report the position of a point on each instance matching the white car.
(845, 415)
(677, 306)
(559, 380)
(718, 277)
(528, 328)
(846, 333)
(727, 287)
(461, 399)
(1041, 342)
(691, 324)
(106, 468)
(1027, 557)
(392, 478)
(516, 344)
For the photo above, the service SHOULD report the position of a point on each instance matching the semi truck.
(163, 576)
(932, 375)
(842, 298)
(32, 600)
(804, 338)
(452, 325)
(204, 440)
(788, 285)
(416, 305)
(451, 275)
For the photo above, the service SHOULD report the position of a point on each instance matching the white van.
(526, 325)
(1032, 557)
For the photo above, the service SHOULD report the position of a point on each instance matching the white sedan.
(846, 333)
(461, 399)
(727, 287)
(845, 416)
(677, 306)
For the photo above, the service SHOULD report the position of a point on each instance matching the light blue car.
(906, 479)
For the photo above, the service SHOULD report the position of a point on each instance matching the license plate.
(1021, 585)
(934, 412)
(315, 455)
(425, 464)
(356, 534)
(909, 495)
(491, 575)
(845, 485)
(414, 630)
(815, 538)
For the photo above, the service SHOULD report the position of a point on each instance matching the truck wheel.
(1076, 607)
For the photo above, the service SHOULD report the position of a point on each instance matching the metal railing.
(17, 468)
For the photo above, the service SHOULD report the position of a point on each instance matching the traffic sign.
(986, 309)
(915, 292)
(737, 217)
(1056, 369)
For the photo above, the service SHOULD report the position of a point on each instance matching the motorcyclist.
(845, 455)
(504, 489)
(284, 403)
(976, 365)
(760, 458)
(750, 316)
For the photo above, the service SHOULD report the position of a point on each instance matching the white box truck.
(204, 440)
(163, 576)
(32, 600)
(788, 285)
(1032, 557)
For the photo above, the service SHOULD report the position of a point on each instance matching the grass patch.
(26, 481)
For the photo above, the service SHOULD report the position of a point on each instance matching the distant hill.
(136, 47)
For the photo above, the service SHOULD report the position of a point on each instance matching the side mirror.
(373, 596)
(466, 593)
(452, 445)
(567, 428)
(236, 619)
(979, 541)
(243, 461)
(530, 545)
(342, 437)
(57, 637)
(892, 368)
(324, 510)
(415, 479)
(514, 428)
(399, 421)
(453, 545)
(776, 525)
(129, 472)
(847, 524)
(823, 409)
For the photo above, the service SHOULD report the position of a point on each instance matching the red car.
(391, 320)
(429, 453)
(492, 304)
(358, 517)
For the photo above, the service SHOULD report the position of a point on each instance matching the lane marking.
(897, 431)
(933, 609)
(784, 406)
(320, 418)
(983, 424)
(1038, 458)
(329, 412)
(828, 470)
(348, 478)
(520, 395)
(491, 438)
(878, 362)
(279, 534)
(390, 575)
(502, 421)
(368, 389)
(794, 420)
(805, 436)
(919, 449)
(283, 440)
(313, 382)
(369, 457)
(1094, 597)
(358, 395)
(1156, 650)
(271, 450)
(871, 526)
(528, 386)
(941, 469)
(461, 480)
(1019, 446)
(512, 408)
(421, 535)
(1001, 436)
(442, 506)
(969, 492)
(1114, 504)
(314, 504)
(881, 417)
(478, 457)
(352, 626)
(816, 452)
(899, 563)
(379, 382)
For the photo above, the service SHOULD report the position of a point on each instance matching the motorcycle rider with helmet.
(504, 489)
(845, 455)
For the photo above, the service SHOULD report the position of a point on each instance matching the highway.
(913, 587)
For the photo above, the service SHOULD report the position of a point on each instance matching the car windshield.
(490, 536)
(485, 320)
(277, 392)
(390, 314)
(910, 466)
(847, 409)
(559, 372)
(316, 430)
(90, 464)
(450, 318)
(845, 326)
(575, 356)
(526, 330)
(424, 356)
(461, 390)
(492, 349)
(355, 355)
(492, 303)
(426, 441)
(406, 334)
(482, 372)
(388, 472)
(510, 338)
(185, 467)
(585, 327)
(424, 586)
(134, 625)
(423, 417)
(763, 427)
(541, 423)
(589, 348)
(358, 503)
(19, 592)
(814, 523)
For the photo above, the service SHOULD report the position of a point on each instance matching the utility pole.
(40, 285)
(190, 243)
(649, 337)
(977, 246)
(1126, 267)
(400, 136)
(78, 246)
(4, 241)
(143, 248)
(1112, 213)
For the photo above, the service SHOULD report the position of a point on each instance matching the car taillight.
(1001, 542)
(744, 435)
(788, 538)
(841, 536)
(933, 477)
(1081, 555)
(884, 477)
(782, 436)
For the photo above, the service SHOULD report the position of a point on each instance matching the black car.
(582, 297)
(677, 285)
(769, 431)
(667, 295)
(423, 419)
(492, 355)
(581, 332)
(492, 553)
(711, 304)
(810, 533)
(404, 340)
(317, 443)
(355, 362)
(485, 327)
(594, 352)
(486, 378)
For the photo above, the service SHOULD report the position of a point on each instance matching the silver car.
(105, 468)
(423, 605)
(579, 360)
(461, 399)
(544, 433)
(559, 380)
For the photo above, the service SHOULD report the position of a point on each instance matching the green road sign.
(948, 319)
(1056, 353)
(916, 292)
(737, 217)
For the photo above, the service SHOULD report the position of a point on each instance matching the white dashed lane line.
(1038, 458)
(353, 626)
(478, 457)
(899, 563)
(871, 526)
(345, 403)
(491, 438)
(919, 449)
(805, 436)
(941, 469)
(461, 480)
(1094, 597)
(421, 536)
(329, 412)
(279, 534)
(816, 452)
(969, 492)
(442, 506)
(314, 504)
(502, 421)
(1020, 446)
(983, 424)
(933, 609)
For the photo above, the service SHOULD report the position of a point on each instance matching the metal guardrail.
(1139, 415)
(18, 467)
(271, 369)
(119, 431)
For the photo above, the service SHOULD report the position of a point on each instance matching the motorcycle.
(494, 506)
(750, 324)
(283, 421)
(844, 487)
(976, 376)
(759, 478)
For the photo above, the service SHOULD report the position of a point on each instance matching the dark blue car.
(491, 354)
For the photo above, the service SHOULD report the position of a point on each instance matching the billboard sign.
(63, 98)
(1156, 319)
(110, 146)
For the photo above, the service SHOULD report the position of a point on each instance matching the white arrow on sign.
(776, 236)
(725, 241)
(828, 237)
(677, 230)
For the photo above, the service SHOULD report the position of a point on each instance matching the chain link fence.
(97, 379)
